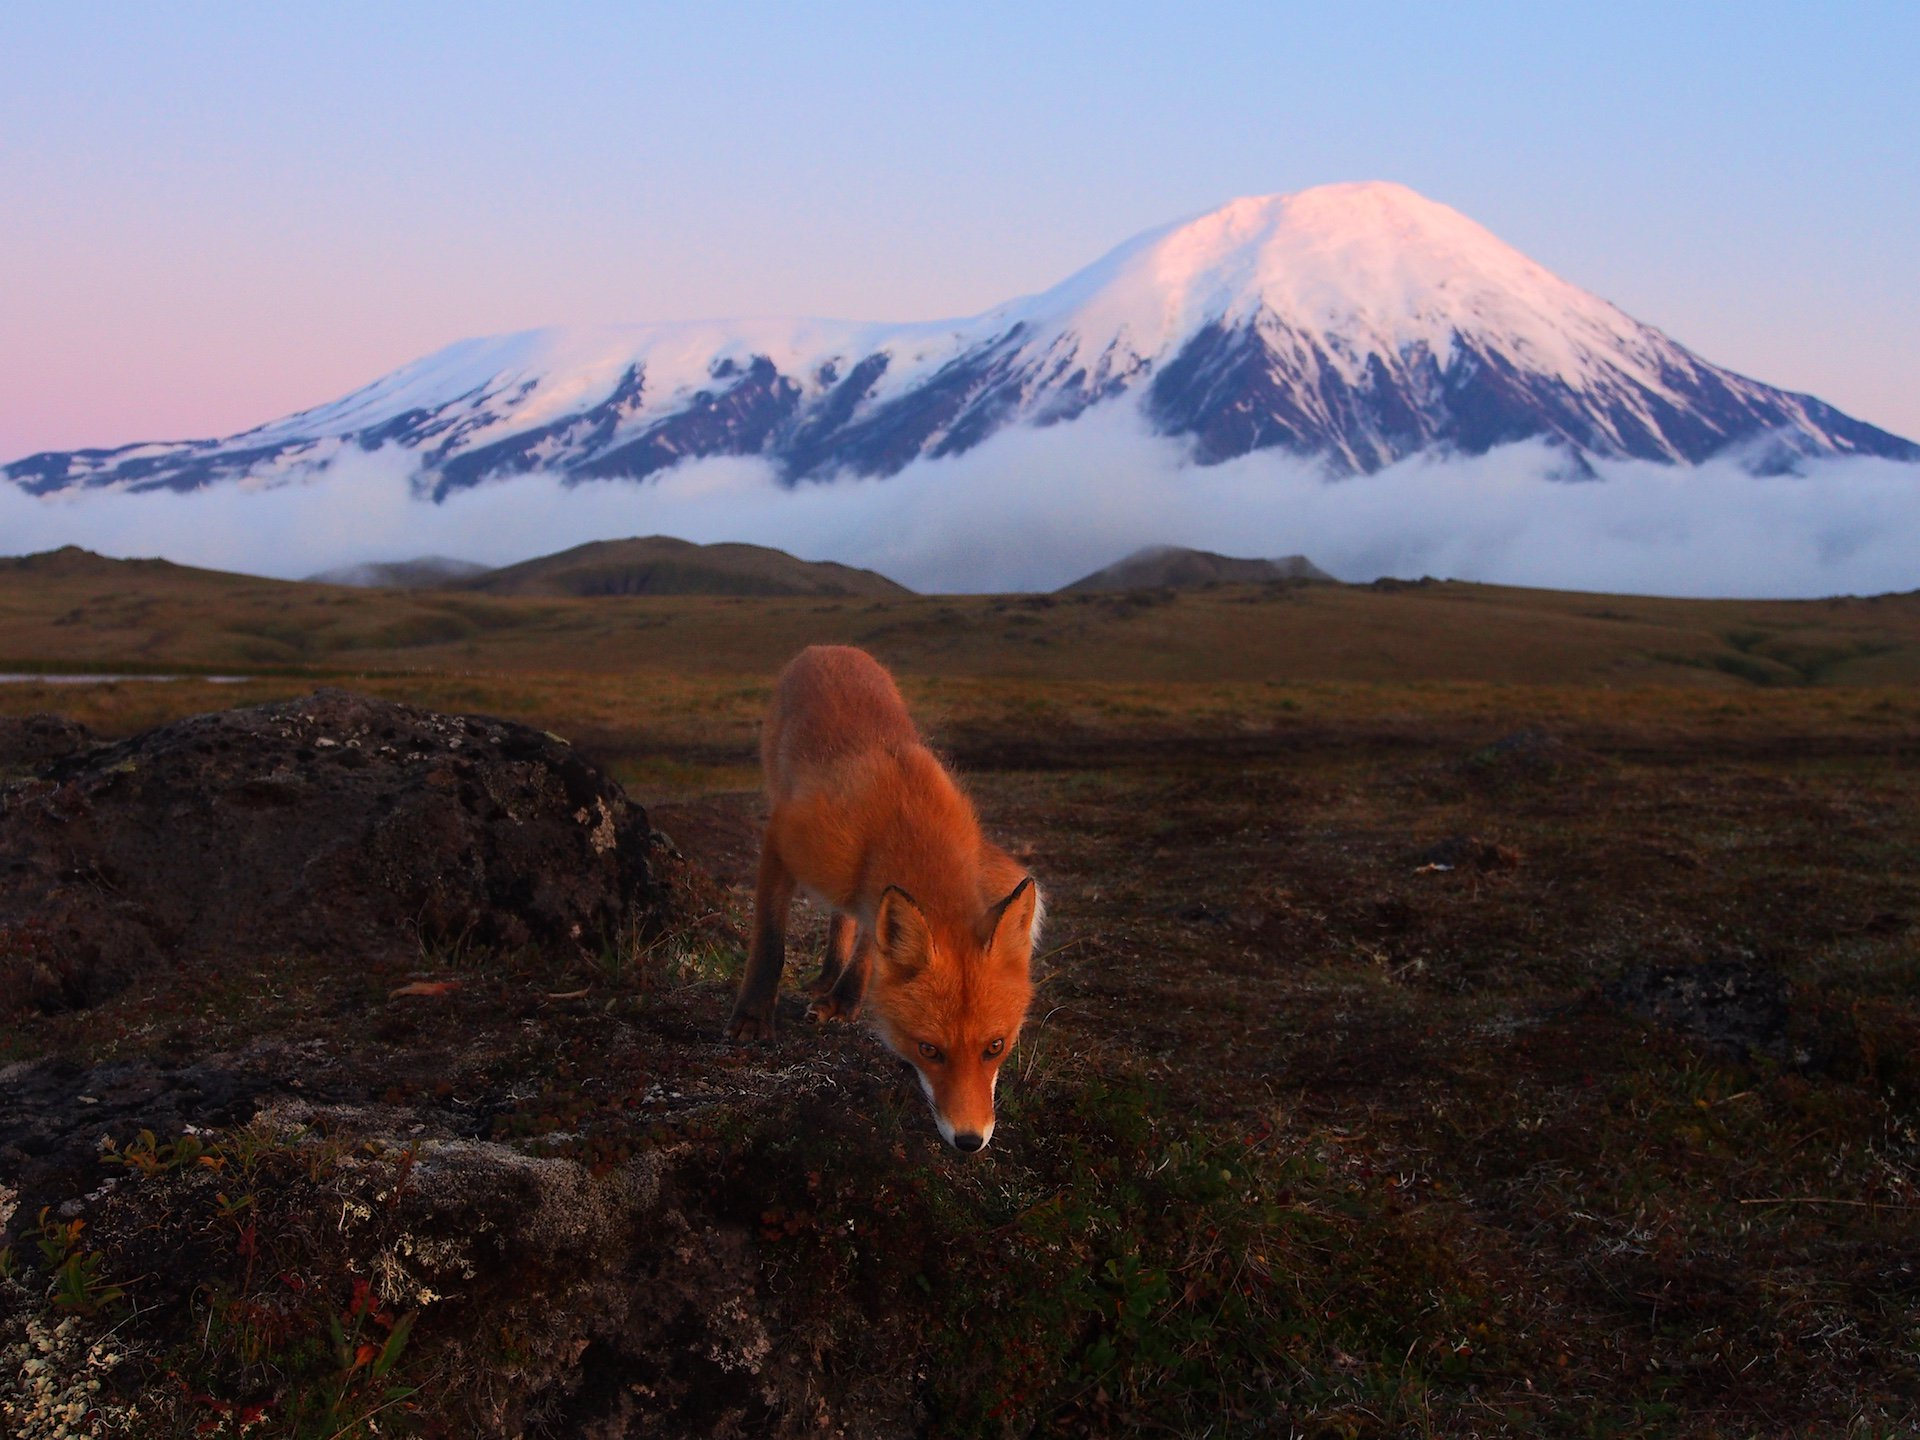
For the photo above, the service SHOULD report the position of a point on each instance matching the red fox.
(933, 926)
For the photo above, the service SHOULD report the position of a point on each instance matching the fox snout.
(962, 1106)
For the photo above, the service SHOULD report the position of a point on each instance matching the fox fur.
(933, 925)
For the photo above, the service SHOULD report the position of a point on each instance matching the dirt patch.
(721, 831)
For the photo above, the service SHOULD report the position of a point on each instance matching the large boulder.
(33, 741)
(335, 825)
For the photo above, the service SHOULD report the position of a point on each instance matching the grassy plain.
(72, 609)
(1466, 1011)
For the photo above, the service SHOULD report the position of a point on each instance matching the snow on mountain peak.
(1358, 322)
(1365, 268)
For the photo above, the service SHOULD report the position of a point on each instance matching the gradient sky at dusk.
(213, 215)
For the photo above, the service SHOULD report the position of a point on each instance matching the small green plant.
(688, 955)
(78, 1285)
(368, 1341)
(625, 954)
(147, 1157)
(453, 951)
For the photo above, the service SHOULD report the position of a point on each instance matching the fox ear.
(900, 934)
(1011, 916)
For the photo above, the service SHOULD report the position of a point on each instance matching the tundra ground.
(1450, 1058)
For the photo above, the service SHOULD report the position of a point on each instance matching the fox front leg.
(767, 957)
(841, 1000)
(840, 931)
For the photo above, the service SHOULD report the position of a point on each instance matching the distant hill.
(418, 574)
(659, 565)
(73, 562)
(1173, 567)
(67, 611)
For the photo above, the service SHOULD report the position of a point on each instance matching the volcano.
(1353, 324)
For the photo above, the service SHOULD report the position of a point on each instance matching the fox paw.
(745, 1028)
(827, 1010)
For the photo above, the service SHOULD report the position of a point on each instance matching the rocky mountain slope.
(1357, 324)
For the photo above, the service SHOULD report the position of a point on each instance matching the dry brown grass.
(77, 610)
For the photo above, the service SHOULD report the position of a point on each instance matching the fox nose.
(968, 1143)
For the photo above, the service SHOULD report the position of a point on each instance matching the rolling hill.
(1179, 568)
(69, 610)
(661, 565)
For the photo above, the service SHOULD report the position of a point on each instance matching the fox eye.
(932, 1052)
(994, 1047)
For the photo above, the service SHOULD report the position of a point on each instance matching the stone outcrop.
(332, 825)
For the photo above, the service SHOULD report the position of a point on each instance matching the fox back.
(935, 925)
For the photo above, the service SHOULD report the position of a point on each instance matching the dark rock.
(1740, 1011)
(30, 743)
(54, 1112)
(634, 1292)
(1201, 913)
(1727, 1003)
(334, 825)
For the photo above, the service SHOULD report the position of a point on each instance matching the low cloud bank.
(1033, 509)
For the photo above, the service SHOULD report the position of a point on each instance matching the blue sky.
(215, 214)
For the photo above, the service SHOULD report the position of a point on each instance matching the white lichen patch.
(545, 1204)
(601, 837)
(51, 1376)
(741, 1341)
(557, 1206)
(405, 1274)
(445, 1257)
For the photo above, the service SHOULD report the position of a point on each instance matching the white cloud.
(1032, 509)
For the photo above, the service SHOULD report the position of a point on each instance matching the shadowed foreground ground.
(1450, 1061)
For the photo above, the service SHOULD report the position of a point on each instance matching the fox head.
(950, 1001)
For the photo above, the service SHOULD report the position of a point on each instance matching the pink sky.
(215, 218)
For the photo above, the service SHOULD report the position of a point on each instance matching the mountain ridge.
(1353, 324)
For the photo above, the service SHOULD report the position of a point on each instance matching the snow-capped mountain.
(1355, 323)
